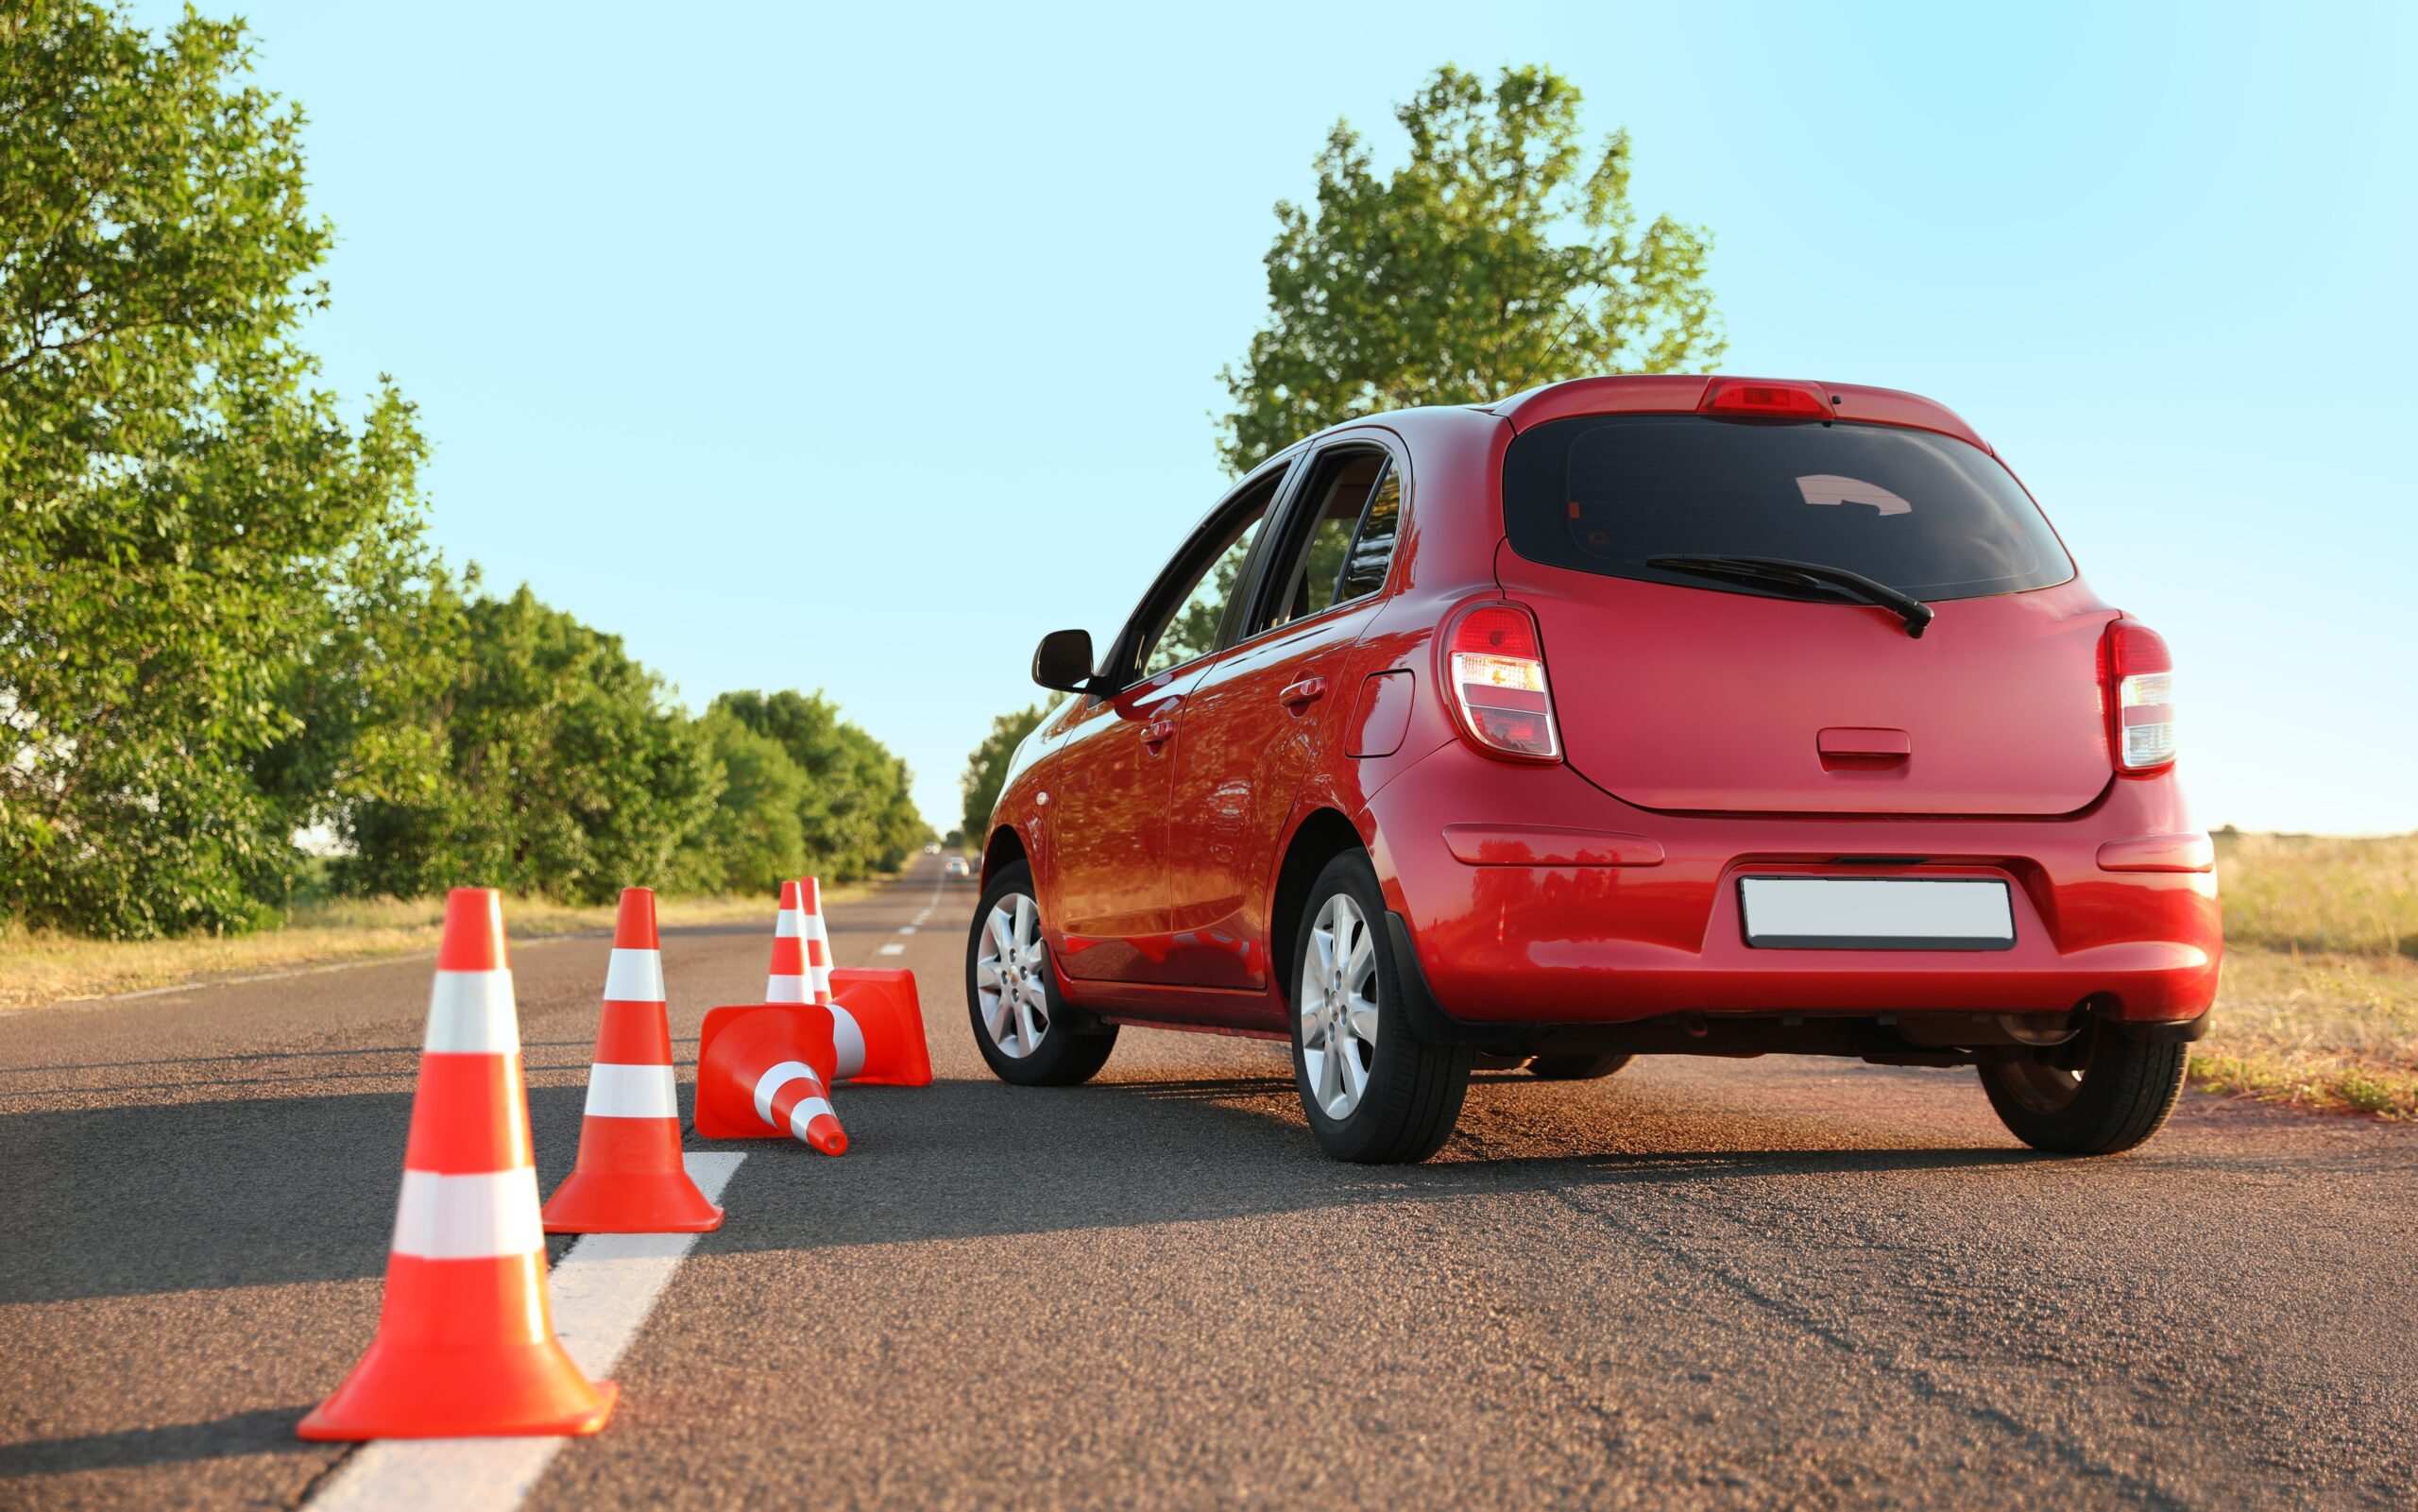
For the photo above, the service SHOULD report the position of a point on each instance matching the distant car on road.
(932, 849)
(1627, 715)
(955, 866)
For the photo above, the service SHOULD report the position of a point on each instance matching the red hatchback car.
(1706, 716)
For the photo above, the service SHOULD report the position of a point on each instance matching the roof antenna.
(1526, 379)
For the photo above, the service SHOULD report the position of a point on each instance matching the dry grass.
(2330, 1031)
(2318, 1005)
(2319, 893)
(40, 967)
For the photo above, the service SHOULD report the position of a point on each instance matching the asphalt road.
(1778, 1283)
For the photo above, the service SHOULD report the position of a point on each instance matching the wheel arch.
(1004, 849)
(1322, 834)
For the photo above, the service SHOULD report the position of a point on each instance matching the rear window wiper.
(1776, 569)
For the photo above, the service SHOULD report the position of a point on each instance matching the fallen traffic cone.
(466, 1343)
(883, 1017)
(764, 1072)
(629, 1179)
(879, 1036)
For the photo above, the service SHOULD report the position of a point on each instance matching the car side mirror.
(1063, 661)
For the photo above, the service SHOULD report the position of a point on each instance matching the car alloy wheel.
(2038, 1086)
(1011, 971)
(1338, 1006)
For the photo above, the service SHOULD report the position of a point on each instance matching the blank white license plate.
(1877, 914)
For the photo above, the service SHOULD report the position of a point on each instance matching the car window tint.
(1339, 493)
(1918, 511)
(1192, 630)
(1373, 549)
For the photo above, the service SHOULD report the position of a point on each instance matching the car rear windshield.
(1926, 514)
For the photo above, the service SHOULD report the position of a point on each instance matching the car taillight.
(2138, 675)
(1498, 676)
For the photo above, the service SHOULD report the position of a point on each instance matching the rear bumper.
(1583, 909)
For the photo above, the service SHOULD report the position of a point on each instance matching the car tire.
(1026, 1033)
(2097, 1094)
(1375, 1092)
(1576, 1067)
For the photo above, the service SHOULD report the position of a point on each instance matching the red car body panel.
(1598, 888)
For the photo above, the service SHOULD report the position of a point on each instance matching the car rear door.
(1253, 721)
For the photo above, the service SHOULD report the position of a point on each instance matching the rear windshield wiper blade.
(1914, 611)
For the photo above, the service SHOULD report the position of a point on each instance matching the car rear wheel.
(1375, 1092)
(2097, 1094)
(1576, 1067)
(1025, 1033)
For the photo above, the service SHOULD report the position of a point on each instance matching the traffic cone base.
(630, 1180)
(436, 1371)
(876, 1013)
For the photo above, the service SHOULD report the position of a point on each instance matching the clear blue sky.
(853, 347)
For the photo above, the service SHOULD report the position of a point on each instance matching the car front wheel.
(1375, 1092)
(1025, 1033)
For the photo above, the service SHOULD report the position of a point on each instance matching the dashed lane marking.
(602, 1293)
(892, 949)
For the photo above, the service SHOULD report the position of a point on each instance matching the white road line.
(602, 1293)
(906, 928)
(894, 949)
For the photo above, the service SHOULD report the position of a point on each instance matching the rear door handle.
(1299, 695)
(1158, 733)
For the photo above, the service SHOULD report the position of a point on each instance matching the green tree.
(567, 773)
(858, 815)
(986, 770)
(1502, 254)
(203, 566)
(755, 835)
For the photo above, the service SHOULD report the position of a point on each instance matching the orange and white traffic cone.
(789, 980)
(466, 1343)
(764, 1072)
(629, 1179)
(877, 1034)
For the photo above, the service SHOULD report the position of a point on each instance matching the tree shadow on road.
(237, 1192)
(969, 1158)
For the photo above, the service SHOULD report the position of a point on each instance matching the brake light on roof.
(1498, 677)
(1746, 396)
(2138, 673)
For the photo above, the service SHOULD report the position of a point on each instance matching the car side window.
(1352, 506)
(1373, 549)
(1193, 624)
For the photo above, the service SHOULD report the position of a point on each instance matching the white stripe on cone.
(634, 976)
(769, 1085)
(785, 990)
(804, 1114)
(814, 929)
(468, 1218)
(469, 1012)
(786, 926)
(632, 1092)
(847, 1041)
